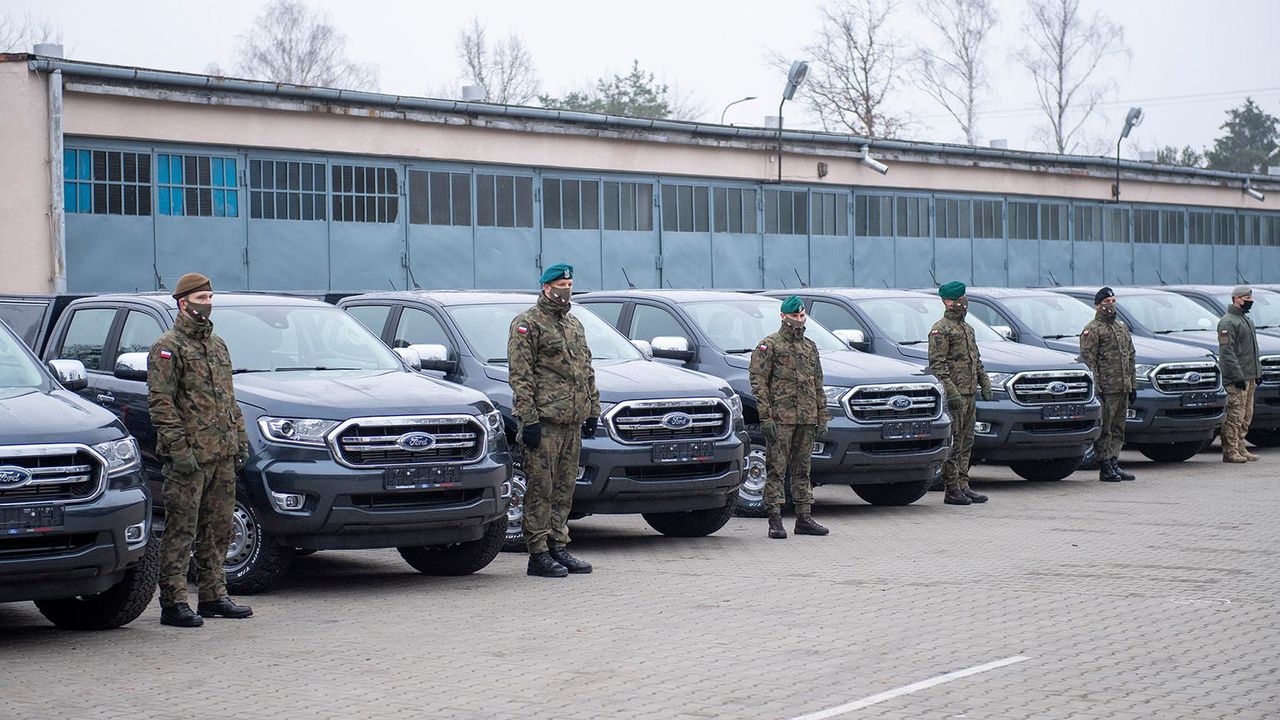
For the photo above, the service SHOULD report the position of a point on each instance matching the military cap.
(1241, 290)
(1103, 294)
(952, 290)
(792, 305)
(559, 271)
(192, 282)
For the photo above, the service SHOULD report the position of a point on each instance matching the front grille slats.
(373, 442)
(637, 422)
(1270, 365)
(1185, 377)
(1052, 387)
(59, 474)
(875, 403)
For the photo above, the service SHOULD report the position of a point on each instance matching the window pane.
(648, 322)
(140, 331)
(551, 203)
(669, 208)
(570, 204)
(373, 317)
(87, 336)
(644, 206)
(524, 202)
(419, 197)
(486, 217)
(721, 201)
(684, 198)
(417, 327)
(461, 187)
(771, 212)
(590, 205)
(441, 204)
(612, 215)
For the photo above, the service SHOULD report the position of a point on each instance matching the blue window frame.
(197, 186)
(106, 182)
(829, 213)
(286, 190)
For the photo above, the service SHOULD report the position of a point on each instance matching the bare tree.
(291, 42)
(854, 65)
(504, 68)
(955, 73)
(19, 34)
(1065, 52)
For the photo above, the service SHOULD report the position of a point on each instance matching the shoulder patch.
(1086, 332)
(165, 354)
(522, 330)
(935, 332)
(763, 346)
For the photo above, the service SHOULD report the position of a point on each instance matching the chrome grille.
(646, 421)
(1270, 368)
(57, 474)
(1185, 377)
(1047, 387)
(379, 441)
(884, 403)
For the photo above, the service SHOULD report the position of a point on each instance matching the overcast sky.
(1192, 59)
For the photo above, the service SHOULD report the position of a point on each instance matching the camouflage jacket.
(192, 402)
(551, 374)
(953, 356)
(1238, 347)
(786, 378)
(1107, 348)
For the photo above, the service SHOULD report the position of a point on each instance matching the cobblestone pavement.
(1152, 599)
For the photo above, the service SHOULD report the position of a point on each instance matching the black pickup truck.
(74, 508)
(350, 448)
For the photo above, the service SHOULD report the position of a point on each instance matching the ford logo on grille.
(1191, 378)
(12, 476)
(899, 402)
(416, 441)
(1057, 388)
(677, 420)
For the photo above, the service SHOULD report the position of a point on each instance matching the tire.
(749, 500)
(1264, 438)
(513, 534)
(893, 494)
(254, 559)
(695, 523)
(456, 559)
(1172, 452)
(114, 607)
(1050, 470)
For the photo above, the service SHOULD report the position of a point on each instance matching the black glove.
(589, 427)
(1241, 385)
(242, 459)
(1133, 396)
(531, 435)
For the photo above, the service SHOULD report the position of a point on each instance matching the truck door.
(128, 398)
(84, 337)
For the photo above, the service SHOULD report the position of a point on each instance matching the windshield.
(486, 327)
(1166, 313)
(263, 339)
(907, 320)
(737, 326)
(1051, 316)
(19, 372)
(1265, 311)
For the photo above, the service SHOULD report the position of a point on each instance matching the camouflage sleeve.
(242, 439)
(1227, 357)
(818, 382)
(164, 372)
(520, 354)
(939, 348)
(1089, 351)
(984, 382)
(594, 392)
(761, 372)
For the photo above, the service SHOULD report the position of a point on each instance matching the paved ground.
(1153, 599)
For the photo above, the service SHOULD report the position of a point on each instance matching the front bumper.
(1019, 432)
(1266, 407)
(854, 453)
(619, 479)
(1160, 418)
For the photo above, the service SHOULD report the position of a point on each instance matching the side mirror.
(435, 357)
(409, 356)
(70, 373)
(672, 348)
(132, 366)
(644, 347)
(1004, 331)
(855, 339)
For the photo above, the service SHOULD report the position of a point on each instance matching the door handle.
(106, 398)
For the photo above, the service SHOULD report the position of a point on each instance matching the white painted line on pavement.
(870, 700)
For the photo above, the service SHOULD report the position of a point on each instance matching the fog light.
(136, 533)
(288, 502)
(582, 471)
(817, 448)
(506, 489)
(1130, 414)
(982, 428)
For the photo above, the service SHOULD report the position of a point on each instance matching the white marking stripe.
(870, 700)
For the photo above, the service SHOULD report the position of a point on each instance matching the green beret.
(792, 304)
(559, 271)
(952, 290)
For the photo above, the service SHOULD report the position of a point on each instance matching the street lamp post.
(735, 102)
(1131, 121)
(795, 77)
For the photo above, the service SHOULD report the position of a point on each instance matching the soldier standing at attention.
(953, 359)
(786, 377)
(557, 404)
(1107, 348)
(200, 437)
(1238, 358)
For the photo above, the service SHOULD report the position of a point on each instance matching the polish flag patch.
(522, 330)
(763, 347)
(166, 354)
(1086, 332)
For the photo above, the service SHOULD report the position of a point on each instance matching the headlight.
(735, 405)
(1142, 373)
(121, 455)
(834, 394)
(296, 431)
(493, 424)
(605, 407)
(998, 379)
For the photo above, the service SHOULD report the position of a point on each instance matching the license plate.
(1198, 399)
(676, 452)
(27, 520)
(1062, 412)
(904, 430)
(424, 477)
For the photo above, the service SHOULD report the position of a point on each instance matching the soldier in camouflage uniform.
(201, 438)
(786, 378)
(954, 359)
(1238, 358)
(1107, 348)
(557, 404)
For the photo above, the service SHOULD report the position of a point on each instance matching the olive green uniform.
(1106, 347)
(954, 359)
(1238, 360)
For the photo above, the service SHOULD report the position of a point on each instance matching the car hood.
(342, 394)
(1208, 339)
(619, 380)
(1005, 356)
(848, 368)
(1146, 351)
(55, 417)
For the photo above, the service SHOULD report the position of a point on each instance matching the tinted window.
(1051, 316)
(24, 319)
(87, 336)
(737, 326)
(835, 317)
(486, 329)
(373, 317)
(419, 328)
(648, 322)
(310, 337)
(986, 314)
(18, 370)
(608, 311)
(138, 334)
(907, 320)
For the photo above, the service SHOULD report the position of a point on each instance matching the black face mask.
(793, 324)
(1109, 311)
(1245, 307)
(959, 308)
(199, 311)
(560, 296)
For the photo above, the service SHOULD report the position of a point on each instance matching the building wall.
(25, 227)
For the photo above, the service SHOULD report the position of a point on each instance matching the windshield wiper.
(1166, 332)
(502, 360)
(237, 371)
(1059, 337)
(313, 367)
(739, 352)
(912, 342)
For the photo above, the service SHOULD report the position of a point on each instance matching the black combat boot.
(776, 531)
(1115, 465)
(180, 615)
(224, 607)
(974, 497)
(956, 497)
(570, 563)
(806, 525)
(1107, 471)
(543, 565)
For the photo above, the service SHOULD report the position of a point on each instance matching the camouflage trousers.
(197, 509)
(788, 455)
(551, 471)
(1239, 416)
(1114, 408)
(964, 412)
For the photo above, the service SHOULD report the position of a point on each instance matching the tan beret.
(192, 282)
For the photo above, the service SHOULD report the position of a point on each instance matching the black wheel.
(1172, 452)
(114, 607)
(695, 523)
(891, 494)
(462, 558)
(1045, 470)
(513, 535)
(254, 558)
(1269, 437)
(749, 501)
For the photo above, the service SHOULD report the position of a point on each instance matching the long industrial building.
(122, 178)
